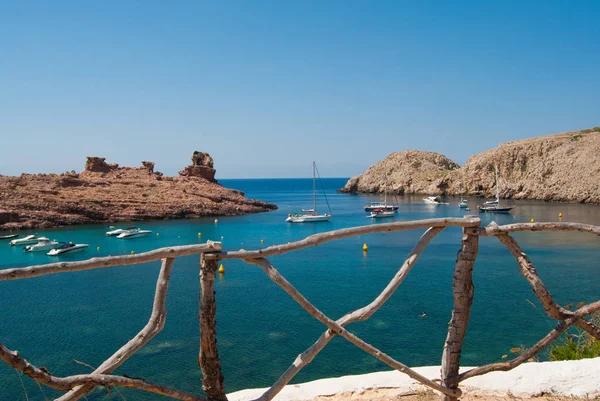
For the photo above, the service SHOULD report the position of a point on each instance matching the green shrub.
(577, 345)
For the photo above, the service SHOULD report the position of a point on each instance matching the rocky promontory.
(562, 168)
(106, 193)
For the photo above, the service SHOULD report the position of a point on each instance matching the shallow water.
(55, 320)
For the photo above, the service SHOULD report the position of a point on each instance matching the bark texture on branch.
(208, 359)
(494, 229)
(155, 324)
(321, 238)
(358, 315)
(108, 261)
(463, 290)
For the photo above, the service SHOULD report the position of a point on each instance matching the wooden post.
(209, 362)
(463, 290)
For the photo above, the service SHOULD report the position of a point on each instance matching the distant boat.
(8, 236)
(67, 249)
(434, 200)
(310, 215)
(378, 205)
(116, 231)
(381, 213)
(44, 244)
(463, 204)
(494, 206)
(28, 240)
(134, 233)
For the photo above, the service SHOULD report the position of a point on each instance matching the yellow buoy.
(157, 234)
(221, 269)
(132, 252)
(560, 215)
(199, 234)
(532, 220)
(98, 248)
(365, 248)
(262, 241)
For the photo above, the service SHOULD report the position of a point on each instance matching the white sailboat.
(494, 206)
(385, 210)
(378, 205)
(310, 215)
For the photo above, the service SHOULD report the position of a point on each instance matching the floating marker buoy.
(365, 248)
(532, 220)
(560, 215)
(157, 234)
(132, 252)
(222, 237)
(199, 234)
(262, 241)
(98, 248)
(221, 269)
(216, 221)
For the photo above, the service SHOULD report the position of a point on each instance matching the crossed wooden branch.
(77, 386)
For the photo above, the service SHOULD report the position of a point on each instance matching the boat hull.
(381, 215)
(486, 209)
(308, 219)
(9, 236)
(24, 241)
(375, 207)
(67, 251)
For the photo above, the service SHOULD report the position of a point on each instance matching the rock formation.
(202, 166)
(104, 193)
(562, 167)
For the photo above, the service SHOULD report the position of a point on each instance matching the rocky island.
(106, 193)
(561, 167)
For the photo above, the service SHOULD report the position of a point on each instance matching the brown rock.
(99, 165)
(202, 167)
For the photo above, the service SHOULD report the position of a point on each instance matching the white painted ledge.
(576, 378)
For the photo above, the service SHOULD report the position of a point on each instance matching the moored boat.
(116, 231)
(134, 233)
(381, 214)
(383, 206)
(28, 240)
(434, 200)
(67, 249)
(8, 236)
(494, 206)
(310, 215)
(43, 244)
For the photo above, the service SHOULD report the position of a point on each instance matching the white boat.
(134, 233)
(28, 240)
(310, 215)
(378, 205)
(43, 244)
(381, 214)
(463, 204)
(67, 249)
(494, 206)
(434, 200)
(116, 231)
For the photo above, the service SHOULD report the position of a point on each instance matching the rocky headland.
(561, 168)
(106, 193)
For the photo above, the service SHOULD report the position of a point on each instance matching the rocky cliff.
(562, 167)
(106, 192)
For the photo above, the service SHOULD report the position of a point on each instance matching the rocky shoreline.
(560, 168)
(108, 193)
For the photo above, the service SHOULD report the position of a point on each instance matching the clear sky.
(268, 86)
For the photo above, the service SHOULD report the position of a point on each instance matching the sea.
(70, 322)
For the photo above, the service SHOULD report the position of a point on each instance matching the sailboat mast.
(314, 190)
(497, 185)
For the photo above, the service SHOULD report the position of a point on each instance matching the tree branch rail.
(77, 386)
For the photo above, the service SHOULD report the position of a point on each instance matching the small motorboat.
(134, 233)
(28, 240)
(434, 200)
(67, 249)
(463, 204)
(494, 209)
(8, 236)
(44, 244)
(381, 214)
(116, 231)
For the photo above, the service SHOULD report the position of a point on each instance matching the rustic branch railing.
(77, 386)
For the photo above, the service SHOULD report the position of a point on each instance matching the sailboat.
(378, 205)
(463, 204)
(310, 215)
(385, 210)
(494, 206)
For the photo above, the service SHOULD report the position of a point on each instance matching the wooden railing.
(77, 386)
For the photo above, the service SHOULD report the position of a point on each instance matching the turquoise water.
(55, 320)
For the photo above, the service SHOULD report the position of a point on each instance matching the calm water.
(55, 320)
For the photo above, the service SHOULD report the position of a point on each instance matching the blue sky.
(268, 86)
